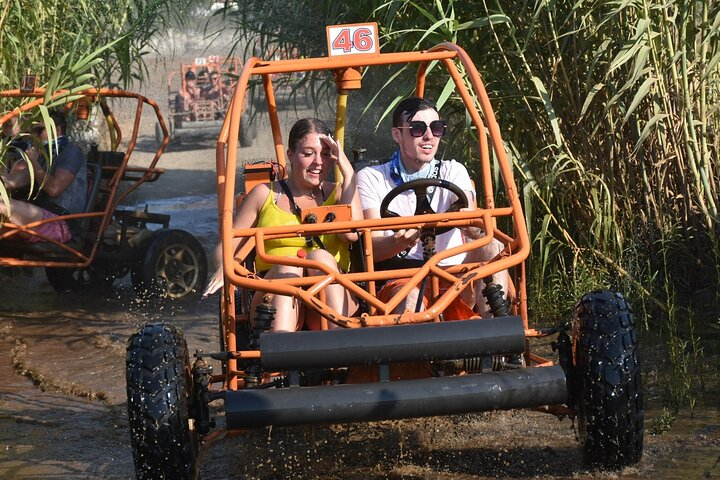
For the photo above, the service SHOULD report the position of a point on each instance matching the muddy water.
(693, 444)
(62, 399)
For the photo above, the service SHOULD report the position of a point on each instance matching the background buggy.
(110, 242)
(206, 116)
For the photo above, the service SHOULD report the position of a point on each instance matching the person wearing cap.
(187, 96)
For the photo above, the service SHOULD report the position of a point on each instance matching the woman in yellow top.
(312, 153)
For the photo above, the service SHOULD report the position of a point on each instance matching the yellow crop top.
(272, 216)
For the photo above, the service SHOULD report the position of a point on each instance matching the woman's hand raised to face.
(337, 155)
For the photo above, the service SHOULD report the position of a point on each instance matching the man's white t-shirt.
(375, 182)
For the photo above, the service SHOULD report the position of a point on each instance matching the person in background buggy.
(62, 187)
(188, 96)
(217, 91)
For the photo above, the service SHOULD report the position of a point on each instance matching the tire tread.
(610, 383)
(163, 445)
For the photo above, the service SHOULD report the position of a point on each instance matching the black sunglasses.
(418, 128)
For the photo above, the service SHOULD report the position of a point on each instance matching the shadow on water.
(457, 447)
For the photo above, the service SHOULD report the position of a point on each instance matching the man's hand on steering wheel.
(422, 205)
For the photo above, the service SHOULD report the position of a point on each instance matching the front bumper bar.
(521, 388)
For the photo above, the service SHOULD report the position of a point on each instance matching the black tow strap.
(434, 173)
(295, 208)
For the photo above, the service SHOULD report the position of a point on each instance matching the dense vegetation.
(76, 45)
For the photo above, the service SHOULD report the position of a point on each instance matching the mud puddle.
(691, 449)
(62, 375)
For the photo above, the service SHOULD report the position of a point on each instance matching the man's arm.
(17, 177)
(372, 190)
(54, 184)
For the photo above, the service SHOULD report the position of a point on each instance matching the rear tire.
(608, 386)
(174, 266)
(159, 388)
(78, 279)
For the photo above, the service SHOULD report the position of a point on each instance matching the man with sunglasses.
(417, 129)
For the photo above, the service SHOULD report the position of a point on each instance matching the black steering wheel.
(422, 205)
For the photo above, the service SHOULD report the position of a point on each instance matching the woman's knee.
(323, 257)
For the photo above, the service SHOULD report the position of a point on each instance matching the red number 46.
(361, 40)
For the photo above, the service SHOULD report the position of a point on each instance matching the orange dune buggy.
(306, 377)
(108, 242)
(204, 117)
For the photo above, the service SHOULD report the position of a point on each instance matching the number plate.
(360, 38)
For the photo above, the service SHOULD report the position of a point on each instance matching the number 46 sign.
(359, 38)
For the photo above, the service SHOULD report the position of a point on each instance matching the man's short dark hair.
(407, 109)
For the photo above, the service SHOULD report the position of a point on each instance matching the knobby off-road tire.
(608, 383)
(158, 390)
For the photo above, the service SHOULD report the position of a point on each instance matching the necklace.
(311, 195)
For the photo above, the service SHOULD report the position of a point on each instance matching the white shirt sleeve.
(369, 187)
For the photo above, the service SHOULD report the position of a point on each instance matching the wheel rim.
(177, 270)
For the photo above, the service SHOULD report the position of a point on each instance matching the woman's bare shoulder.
(259, 190)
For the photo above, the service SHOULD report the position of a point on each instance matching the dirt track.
(62, 391)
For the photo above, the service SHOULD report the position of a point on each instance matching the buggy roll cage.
(347, 71)
(115, 171)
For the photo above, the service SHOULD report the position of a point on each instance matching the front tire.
(159, 388)
(174, 266)
(608, 385)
